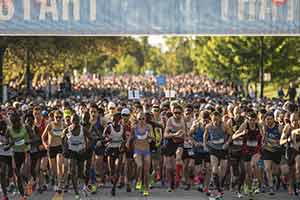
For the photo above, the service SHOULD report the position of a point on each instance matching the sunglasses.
(93, 111)
(111, 108)
(58, 117)
(125, 115)
(140, 119)
(155, 110)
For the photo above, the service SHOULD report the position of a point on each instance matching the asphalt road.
(155, 194)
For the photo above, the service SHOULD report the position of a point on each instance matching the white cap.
(111, 105)
(125, 111)
(24, 107)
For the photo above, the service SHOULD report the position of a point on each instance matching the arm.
(205, 136)
(44, 136)
(240, 132)
(167, 133)
(284, 138)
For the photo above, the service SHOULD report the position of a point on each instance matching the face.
(141, 118)
(94, 113)
(188, 112)
(37, 112)
(177, 113)
(57, 117)
(252, 120)
(269, 120)
(75, 120)
(294, 120)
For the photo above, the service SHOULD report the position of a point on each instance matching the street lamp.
(261, 67)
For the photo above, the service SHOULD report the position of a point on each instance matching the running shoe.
(146, 193)
(170, 189)
(128, 188)
(138, 185)
(200, 188)
(271, 192)
(188, 187)
(93, 189)
(206, 191)
(77, 197)
(113, 191)
(246, 190)
(239, 195)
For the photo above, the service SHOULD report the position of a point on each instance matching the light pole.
(261, 67)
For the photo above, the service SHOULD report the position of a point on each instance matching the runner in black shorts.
(216, 141)
(5, 159)
(271, 149)
(201, 155)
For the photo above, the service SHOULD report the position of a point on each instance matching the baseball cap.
(125, 111)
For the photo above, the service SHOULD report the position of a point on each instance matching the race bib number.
(191, 152)
(252, 143)
(238, 142)
(20, 142)
(220, 141)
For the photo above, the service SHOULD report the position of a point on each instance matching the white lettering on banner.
(26, 7)
(48, 8)
(224, 9)
(290, 11)
(241, 9)
(93, 9)
(261, 10)
(252, 10)
(7, 10)
(76, 9)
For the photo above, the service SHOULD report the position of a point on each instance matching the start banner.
(101, 17)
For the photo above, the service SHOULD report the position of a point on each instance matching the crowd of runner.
(207, 139)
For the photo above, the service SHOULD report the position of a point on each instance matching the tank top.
(76, 142)
(198, 137)
(175, 127)
(253, 138)
(19, 138)
(97, 131)
(57, 132)
(3, 143)
(34, 147)
(272, 139)
(116, 137)
(141, 135)
(216, 137)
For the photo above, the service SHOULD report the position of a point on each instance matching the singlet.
(57, 132)
(139, 135)
(76, 142)
(252, 139)
(237, 144)
(216, 137)
(175, 127)
(37, 141)
(272, 139)
(198, 137)
(19, 138)
(3, 143)
(97, 131)
(115, 137)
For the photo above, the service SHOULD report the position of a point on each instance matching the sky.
(156, 40)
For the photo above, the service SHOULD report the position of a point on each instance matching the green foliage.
(228, 58)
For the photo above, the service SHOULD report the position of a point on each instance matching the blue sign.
(100, 17)
(161, 80)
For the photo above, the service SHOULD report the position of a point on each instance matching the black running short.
(273, 156)
(53, 151)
